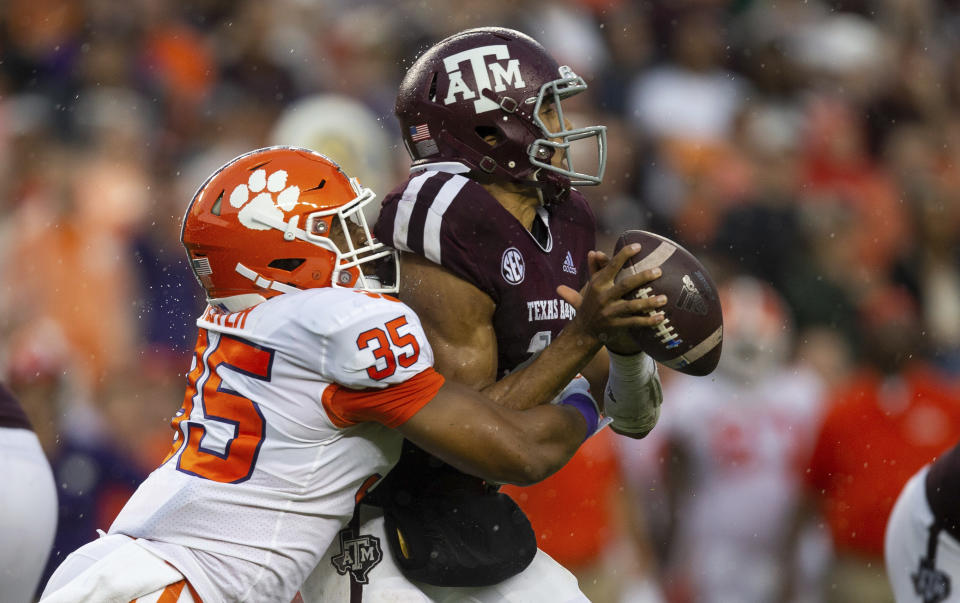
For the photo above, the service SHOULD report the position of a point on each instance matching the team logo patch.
(495, 75)
(690, 298)
(568, 265)
(358, 555)
(271, 197)
(930, 584)
(512, 266)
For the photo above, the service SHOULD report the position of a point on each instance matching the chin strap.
(263, 282)
(236, 303)
(551, 187)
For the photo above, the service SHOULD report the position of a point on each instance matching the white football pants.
(116, 568)
(543, 580)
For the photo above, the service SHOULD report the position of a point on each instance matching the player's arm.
(458, 320)
(457, 423)
(632, 390)
(628, 378)
(468, 431)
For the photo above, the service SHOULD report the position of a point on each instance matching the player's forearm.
(632, 395)
(541, 441)
(462, 428)
(551, 437)
(541, 379)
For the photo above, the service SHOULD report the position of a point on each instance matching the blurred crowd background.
(806, 150)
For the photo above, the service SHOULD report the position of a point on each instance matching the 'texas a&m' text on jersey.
(288, 412)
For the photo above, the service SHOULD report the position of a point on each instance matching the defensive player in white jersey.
(738, 443)
(305, 377)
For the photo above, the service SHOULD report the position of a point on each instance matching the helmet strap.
(236, 303)
(551, 187)
(263, 282)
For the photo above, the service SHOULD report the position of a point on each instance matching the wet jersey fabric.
(453, 221)
(285, 418)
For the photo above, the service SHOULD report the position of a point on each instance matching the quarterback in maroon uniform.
(496, 244)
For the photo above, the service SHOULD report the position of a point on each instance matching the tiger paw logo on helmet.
(264, 202)
(261, 225)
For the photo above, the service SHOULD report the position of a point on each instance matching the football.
(691, 335)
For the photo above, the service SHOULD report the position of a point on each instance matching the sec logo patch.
(512, 266)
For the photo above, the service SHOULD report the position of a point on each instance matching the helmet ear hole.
(492, 136)
(287, 264)
(215, 209)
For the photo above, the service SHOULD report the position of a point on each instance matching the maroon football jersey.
(453, 221)
(11, 414)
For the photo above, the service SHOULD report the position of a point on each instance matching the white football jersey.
(748, 447)
(286, 417)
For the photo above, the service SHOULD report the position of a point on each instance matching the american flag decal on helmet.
(201, 266)
(421, 132)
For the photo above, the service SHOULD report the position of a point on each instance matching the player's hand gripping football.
(603, 312)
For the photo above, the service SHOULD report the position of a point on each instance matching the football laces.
(665, 330)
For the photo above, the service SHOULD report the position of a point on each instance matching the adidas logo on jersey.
(568, 266)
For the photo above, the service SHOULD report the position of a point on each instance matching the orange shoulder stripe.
(392, 406)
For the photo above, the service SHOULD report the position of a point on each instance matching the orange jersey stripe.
(391, 406)
(193, 593)
(172, 592)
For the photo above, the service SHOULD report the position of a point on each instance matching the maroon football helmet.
(492, 81)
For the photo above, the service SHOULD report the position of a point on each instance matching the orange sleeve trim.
(392, 406)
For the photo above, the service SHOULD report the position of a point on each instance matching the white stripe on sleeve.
(431, 229)
(401, 223)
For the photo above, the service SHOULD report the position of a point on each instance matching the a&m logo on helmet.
(493, 75)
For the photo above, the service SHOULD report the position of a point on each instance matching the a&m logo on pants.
(358, 555)
(930, 584)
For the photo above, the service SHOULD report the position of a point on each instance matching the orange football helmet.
(757, 328)
(261, 224)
